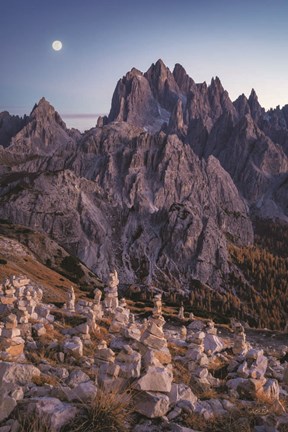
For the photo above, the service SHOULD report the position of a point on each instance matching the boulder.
(212, 344)
(56, 413)
(77, 377)
(181, 392)
(17, 373)
(151, 405)
(158, 379)
(270, 390)
(85, 391)
(74, 347)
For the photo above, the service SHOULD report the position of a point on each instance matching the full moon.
(57, 45)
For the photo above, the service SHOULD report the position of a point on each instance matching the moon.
(57, 45)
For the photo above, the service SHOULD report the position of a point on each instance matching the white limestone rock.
(17, 373)
(212, 344)
(158, 379)
(181, 392)
(56, 413)
(151, 404)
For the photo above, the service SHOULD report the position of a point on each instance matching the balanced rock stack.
(248, 377)
(97, 306)
(181, 313)
(7, 293)
(120, 317)
(11, 343)
(133, 330)
(154, 386)
(84, 307)
(111, 293)
(240, 345)
(107, 371)
(212, 343)
(70, 302)
(198, 361)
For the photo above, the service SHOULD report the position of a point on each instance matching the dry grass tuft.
(45, 379)
(180, 373)
(32, 422)
(235, 421)
(241, 419)
(176, 350)
(108, 412)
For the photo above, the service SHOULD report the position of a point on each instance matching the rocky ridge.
(160, 188)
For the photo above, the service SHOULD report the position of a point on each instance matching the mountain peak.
(255, 107)
(216, 81)
(253, 95)
(160, 65)
(44, 111)
(133, 73)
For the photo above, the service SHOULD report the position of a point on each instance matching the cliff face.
(9, 127)
(158, 187)
(144, 203)
(250, 144)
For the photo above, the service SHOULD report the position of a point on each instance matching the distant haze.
(244, 43)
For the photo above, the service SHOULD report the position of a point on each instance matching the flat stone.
(77, 377)
(157, 379)
(151, 405)
(85, 391)
(7, 405)
(181, 392)
(153, 341)
(17, 373)
(212, 344)
(57, 413)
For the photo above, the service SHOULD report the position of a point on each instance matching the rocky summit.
(178, 188)
(144, 263)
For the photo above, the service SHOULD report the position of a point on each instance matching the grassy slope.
(24, 251)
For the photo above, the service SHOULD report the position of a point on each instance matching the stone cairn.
(181, 313)
(155, 383)
(83, 306)
(111, 293)
(70, 301)
(7, 293)
(11, 343)
(240, 345)
(17, 294)
(210, 328)
(248, 380)
(197, 359)
(120, 317)
(97, 306)
(133, 330)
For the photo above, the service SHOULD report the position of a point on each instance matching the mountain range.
(178, 188)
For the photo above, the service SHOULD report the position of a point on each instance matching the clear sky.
(243, 42)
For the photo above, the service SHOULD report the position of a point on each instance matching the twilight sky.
(243, 42)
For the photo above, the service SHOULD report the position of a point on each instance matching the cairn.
(11, 343)
(120, 317)
(198, 362)
(111, 293)
(155, 383)
(7, 293)
(70, 302)
(181, 313)
(248, 377)
(240, 345)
